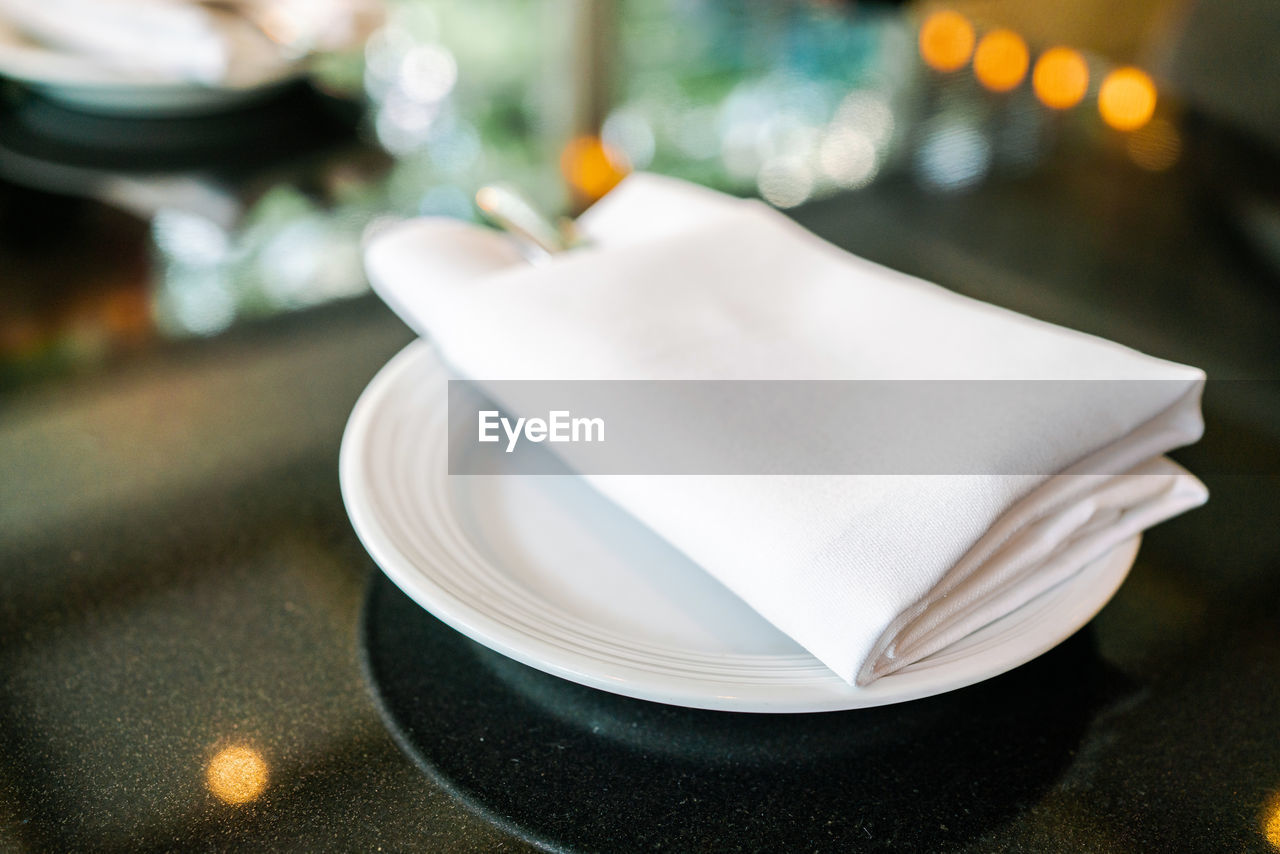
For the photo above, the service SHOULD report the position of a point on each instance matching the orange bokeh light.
(237, 775)
(1061, 78)
(591, 167)
(946, 40)
(1127, 98)
(1271, 821)
(1001, 60)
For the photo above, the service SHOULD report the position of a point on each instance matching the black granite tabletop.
(196, 652)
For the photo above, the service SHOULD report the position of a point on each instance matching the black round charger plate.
(570, 767)
(36, 132)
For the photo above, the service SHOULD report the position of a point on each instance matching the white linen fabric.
(179, 40)
(868, 572)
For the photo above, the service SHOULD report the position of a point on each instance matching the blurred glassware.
(788, 101)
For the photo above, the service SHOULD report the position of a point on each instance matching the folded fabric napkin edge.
(1138, 454)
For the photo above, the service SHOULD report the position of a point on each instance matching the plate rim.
(107, 91)
(936, 674)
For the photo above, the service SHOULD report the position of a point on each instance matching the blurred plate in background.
(90, 85)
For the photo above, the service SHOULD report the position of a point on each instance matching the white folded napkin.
(868, 572)
(182, 40)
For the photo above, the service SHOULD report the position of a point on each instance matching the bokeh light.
(1127, 99)
(868, 113)
(848, 158)
(1001, 59)
(631, 133)
(954, 154)
(1061, 78)
(785, 182)
(237, 774)
(946, 40)
(1155, 146)
(197, 297)
(1271, 821)
(427, 72)
(591, 167)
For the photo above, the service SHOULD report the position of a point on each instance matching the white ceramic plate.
(86, 85)
(549, 572)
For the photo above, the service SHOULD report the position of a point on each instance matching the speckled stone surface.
(178, 577)
(579, 768)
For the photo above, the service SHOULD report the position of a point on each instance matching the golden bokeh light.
(1061, 78)
(946, 41)
(1271, 821)
(1001, 60)
(591, 167)
(1155, 146)
(1127, 98)
(237, 774)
